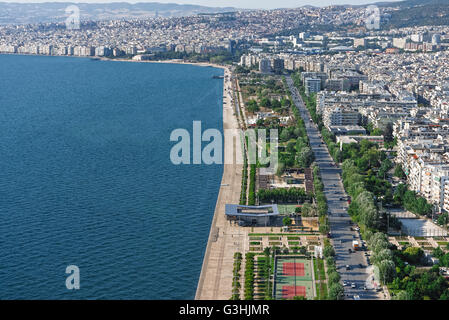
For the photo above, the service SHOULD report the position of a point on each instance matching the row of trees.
(321, 201)
(249, 276)
(382, 255)
(252, 185)
(411, 201)
(283, 195)
(362, 208)
(236, 276)
(336, 291)
(244, 180)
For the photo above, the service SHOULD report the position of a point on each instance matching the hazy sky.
(251, 4)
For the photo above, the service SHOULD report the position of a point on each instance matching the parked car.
(356, 297)
(348, 267)
(353, 286)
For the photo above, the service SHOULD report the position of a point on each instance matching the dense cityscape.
(358, 206)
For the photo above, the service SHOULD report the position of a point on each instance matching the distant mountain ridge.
(418, 13)
(23, 13)
(411, 3)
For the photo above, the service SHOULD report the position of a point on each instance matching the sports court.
(293, 277)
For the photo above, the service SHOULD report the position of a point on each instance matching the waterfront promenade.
(215, 281)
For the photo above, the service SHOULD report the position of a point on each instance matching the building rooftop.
(251, 211)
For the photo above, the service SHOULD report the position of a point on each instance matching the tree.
(383, 254)
(413, 254)
(265, 102)
(287, 221)
(336, 292)
(328, 251)
(398, 172)
(305, 157)
(252, 106)
(443, 219)
(387, 271)
(401, 295)
(308, 210)
(333, 277)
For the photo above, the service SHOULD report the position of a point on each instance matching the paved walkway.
(215, 281)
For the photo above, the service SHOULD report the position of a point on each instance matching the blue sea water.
(86, 177)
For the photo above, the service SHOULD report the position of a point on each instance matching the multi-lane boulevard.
(356, 273)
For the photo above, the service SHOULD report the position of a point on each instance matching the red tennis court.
(293, 269)
(289, 291)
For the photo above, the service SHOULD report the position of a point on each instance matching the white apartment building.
(425, 162)
(312, 85)
(340, 116)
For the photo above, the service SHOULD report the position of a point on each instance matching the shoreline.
(173, 61)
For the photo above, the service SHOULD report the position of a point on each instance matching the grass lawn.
(286, 208)
(323, 291)
(321, 269)
(278, 234)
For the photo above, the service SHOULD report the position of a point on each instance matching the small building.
(251, 215)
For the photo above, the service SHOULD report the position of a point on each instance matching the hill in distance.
(24, 13)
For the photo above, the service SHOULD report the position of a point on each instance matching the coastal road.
(359, 273)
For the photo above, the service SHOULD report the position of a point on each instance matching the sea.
(86, 178)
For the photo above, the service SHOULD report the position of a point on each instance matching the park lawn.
(321, 269)
(286, 208)
(278, 234)
(323, 291)
(315, 269)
